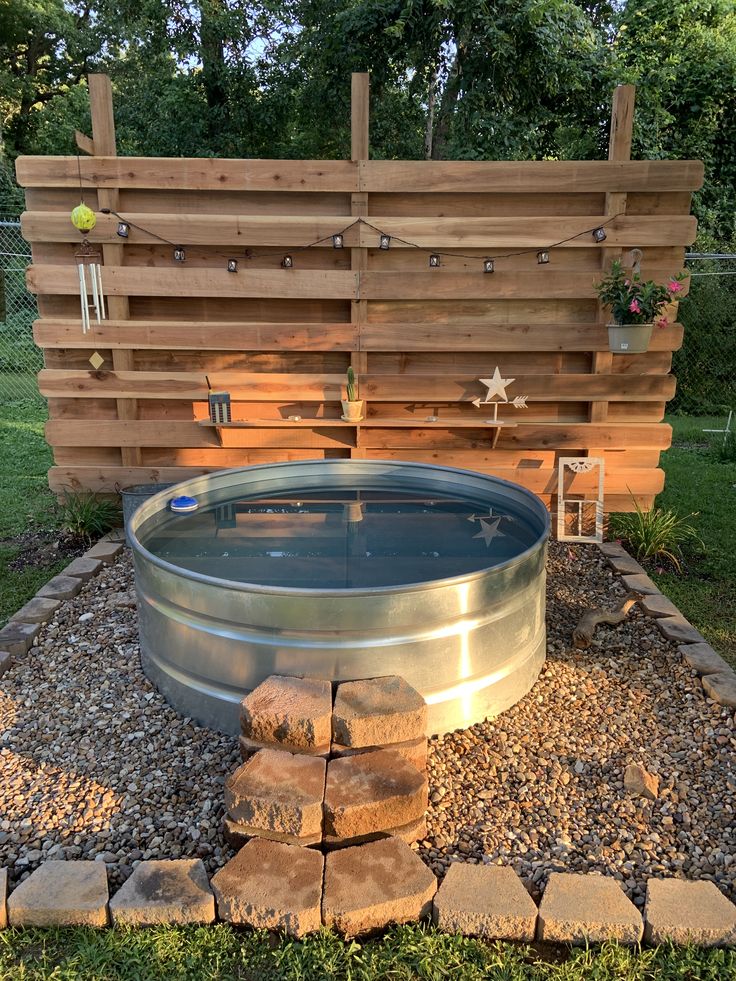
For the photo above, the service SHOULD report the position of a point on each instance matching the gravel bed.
(94, 764)
(541, 787)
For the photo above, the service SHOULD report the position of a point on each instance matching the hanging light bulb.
(543, 257)
(232, 265)
(287, 262)
(337, 241)
(434, 261)
(488, 266)
(180, 253)
(599, 234)
(123, 229)
(385, 242)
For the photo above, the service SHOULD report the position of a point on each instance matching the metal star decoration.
(496, 386)
(496, 394)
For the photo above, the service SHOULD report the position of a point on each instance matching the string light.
(338, 241)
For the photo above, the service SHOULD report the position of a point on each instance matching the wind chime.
(89, 267)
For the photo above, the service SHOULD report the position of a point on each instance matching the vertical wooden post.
(619, 148)
(118, 307)
(359, 151)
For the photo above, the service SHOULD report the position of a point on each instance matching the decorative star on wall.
(496, 394)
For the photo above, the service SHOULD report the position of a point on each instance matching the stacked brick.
(374, 784)
(327, 796)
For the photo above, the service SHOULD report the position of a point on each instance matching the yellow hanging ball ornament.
(83, 218)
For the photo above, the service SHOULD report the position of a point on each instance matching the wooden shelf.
(375, 422)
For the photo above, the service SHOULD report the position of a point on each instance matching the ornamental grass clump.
(634, 301)
(658, 535)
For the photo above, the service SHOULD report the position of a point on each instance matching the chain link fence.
(20, 359)
(705, 367)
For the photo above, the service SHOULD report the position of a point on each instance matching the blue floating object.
(181, 505)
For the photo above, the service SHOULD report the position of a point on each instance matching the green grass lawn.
(402, 954)
(697, 483)
(25, 500)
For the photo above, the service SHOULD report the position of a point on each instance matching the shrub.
(724, 449)
(657, 535)
(89, 516)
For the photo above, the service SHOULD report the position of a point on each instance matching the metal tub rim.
(190, 486)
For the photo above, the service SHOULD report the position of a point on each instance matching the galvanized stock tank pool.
(343, 569)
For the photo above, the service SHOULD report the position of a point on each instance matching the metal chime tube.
(98, 270)
(83, 298)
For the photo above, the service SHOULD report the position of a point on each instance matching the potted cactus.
(352, 406)
(636, 307)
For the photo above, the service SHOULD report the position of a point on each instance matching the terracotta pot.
(629, 338)
(352, 411)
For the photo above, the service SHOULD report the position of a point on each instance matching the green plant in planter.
(634, 301)
(352, 387)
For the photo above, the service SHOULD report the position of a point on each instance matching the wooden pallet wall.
(280, 340)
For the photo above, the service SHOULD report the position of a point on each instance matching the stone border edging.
(20, 632)
(716, 675)
(487, 901)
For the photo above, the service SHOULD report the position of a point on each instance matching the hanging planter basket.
(629, 338)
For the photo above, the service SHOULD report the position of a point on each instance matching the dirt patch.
(41, 547)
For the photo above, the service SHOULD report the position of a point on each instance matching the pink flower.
(673, 286)
(627, 282)
(634, 306)
(663, 322)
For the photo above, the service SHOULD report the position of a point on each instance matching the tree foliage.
(452, 79)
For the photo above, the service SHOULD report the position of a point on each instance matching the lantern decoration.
(434, 261)
(180, 253)
(89, 267)
(385, 242)
(123, 229)
(543, 257)
(232, 265)
(599, 234)
(338, 241)
(488, 265)
(287, 262)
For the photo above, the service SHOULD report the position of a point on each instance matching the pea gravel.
(95, 765)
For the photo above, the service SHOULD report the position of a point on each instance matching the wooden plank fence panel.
(280, 339)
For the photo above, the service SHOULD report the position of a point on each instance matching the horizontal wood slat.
(68, 432)
(545, 282)
(193, 174)
(214, 336)
(543, 482)
(190, 281)
(366, 175)
(211, 336)
(263, 385)
(291, 230)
